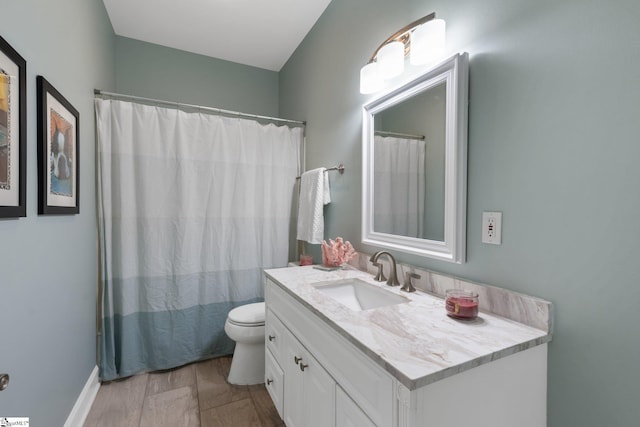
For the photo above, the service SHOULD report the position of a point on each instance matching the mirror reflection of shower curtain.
(192, 207)
(399, 186)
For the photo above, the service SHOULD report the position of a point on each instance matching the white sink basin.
(359, 295)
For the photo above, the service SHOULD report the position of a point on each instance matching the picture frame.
(13, 132)
(58, 152)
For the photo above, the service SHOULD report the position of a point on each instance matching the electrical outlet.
(492, 228)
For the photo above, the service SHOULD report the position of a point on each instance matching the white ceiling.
(259, 33)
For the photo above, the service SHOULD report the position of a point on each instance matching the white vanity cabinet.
(319, 374)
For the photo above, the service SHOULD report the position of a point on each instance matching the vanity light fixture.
(423, 40)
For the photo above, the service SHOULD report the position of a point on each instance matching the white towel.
(314, 194)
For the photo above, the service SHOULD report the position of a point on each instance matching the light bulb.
(428, 42)
(370, 78)
(390, 58)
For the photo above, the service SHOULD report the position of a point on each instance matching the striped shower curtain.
(192, 207)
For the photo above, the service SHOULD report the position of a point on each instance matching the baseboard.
(81, 409)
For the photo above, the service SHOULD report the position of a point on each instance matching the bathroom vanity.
(390, 358)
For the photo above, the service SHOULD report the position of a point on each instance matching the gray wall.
(48, 264)
(158, 72)
(553, 144)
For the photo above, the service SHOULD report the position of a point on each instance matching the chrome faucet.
(393, 277)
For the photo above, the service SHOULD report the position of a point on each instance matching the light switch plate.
(492, 228)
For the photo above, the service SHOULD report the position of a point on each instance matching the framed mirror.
(415, 164)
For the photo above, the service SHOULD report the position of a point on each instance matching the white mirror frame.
(455, 72)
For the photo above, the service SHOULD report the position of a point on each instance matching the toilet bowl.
(245, 325)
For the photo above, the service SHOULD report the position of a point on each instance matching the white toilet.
(245, 325)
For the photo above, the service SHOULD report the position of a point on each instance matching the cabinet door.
(319, 394)
(348, 414)
(309, 391)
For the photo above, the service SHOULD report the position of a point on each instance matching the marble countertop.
(415, 341)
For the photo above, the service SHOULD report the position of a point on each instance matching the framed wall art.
(58, 152)
(13, 132)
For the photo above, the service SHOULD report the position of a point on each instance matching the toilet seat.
(249, 315)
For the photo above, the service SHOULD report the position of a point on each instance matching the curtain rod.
(400, 135)
(99, 92)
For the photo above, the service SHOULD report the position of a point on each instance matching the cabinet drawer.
(274, 335)
(370, 386)
(274, 381)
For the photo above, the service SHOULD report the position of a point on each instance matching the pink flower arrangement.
(338, 252)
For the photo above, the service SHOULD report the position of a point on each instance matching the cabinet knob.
(269, 381)
(272, 337)
(302, 366)
(297, 359)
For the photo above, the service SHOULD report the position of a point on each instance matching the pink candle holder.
(306, 259)
(461, 304)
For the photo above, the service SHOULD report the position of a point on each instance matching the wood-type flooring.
(195, 395)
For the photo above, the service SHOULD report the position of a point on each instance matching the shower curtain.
(192, 207)
(399, 186)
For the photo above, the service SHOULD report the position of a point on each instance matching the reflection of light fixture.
(423, 39)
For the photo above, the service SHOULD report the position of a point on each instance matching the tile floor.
(190, 396)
